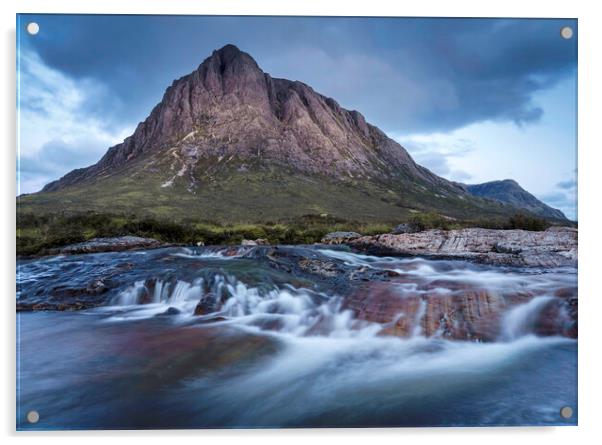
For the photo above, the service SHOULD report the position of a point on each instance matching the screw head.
(566, 32)
(33, 416)
(566, 412)
(33, 28)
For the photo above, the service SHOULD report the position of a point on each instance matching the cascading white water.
(294, 311)
(216, 253)
(417, 331)
(299, 312)
(131, 296)
(180, 295)
(519, 320)
(303, 312)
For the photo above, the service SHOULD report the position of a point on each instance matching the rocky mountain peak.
(230, 57)
(229, 121)
(510, 192)
(230, 141)
(230, 109)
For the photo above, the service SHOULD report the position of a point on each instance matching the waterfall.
(131, 295)
(521, 319)
(417, 330)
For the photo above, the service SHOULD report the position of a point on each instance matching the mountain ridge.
(228, 141)
(509, 191)
(234, 75)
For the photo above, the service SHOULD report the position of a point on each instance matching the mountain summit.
(230, 110)
(228, 142)
(510, 192)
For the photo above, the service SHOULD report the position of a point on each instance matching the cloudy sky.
(473, 100)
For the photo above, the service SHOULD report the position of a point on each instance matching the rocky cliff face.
(228, 142)
(230, 111)
(510, 192)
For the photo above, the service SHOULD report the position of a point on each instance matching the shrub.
(520, 221)
(427, 221)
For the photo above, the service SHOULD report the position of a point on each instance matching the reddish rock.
(550, 248)
(228, 108)
(464, 313)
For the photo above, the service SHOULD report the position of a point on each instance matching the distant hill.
(229, 143)
(510, 192)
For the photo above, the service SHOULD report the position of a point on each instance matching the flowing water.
(282, 348)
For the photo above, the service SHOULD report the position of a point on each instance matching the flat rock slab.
(115, 244)
(554, 247)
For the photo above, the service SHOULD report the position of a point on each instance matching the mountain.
(228, 142)
(510, 192)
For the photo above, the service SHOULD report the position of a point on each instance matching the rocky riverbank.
(114, 244)
(405, 296)
(554, 247)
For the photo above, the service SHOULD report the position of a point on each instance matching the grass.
(431, 220)
(259, 195)
(38, 234)
(265, 201)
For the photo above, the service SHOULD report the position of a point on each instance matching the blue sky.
(473, 100)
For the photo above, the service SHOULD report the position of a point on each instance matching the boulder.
(208, 304)
(339, 237)
(256, 242)
(404, 228)
(169, 312)
(114, 244)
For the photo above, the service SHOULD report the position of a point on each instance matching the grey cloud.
(415, 75)
(56, 158)
(568, 184)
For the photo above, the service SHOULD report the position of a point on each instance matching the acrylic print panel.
(240, 248)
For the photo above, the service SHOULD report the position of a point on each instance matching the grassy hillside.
(267, 195)
(266, 202)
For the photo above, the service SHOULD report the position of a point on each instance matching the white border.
(590, 77)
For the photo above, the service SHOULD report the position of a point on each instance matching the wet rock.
(556, 318)
(213, 319)
(257, 242)
(458, 311)
(67, 297)
(115, 244)
(339, 237)
(57, 305)
(97, 287)
(169, 312)
(470, 315)
(404, 228)
(230, 251)
(319, 267)
(209, 303)
(550, 248)
(148, 291)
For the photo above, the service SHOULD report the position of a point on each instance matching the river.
(280, 346)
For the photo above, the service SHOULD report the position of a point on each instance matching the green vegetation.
(226, 205)
(37, 234)
(432, 220)
(262, 193)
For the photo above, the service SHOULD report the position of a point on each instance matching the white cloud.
(437, 152)
(59, 127)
